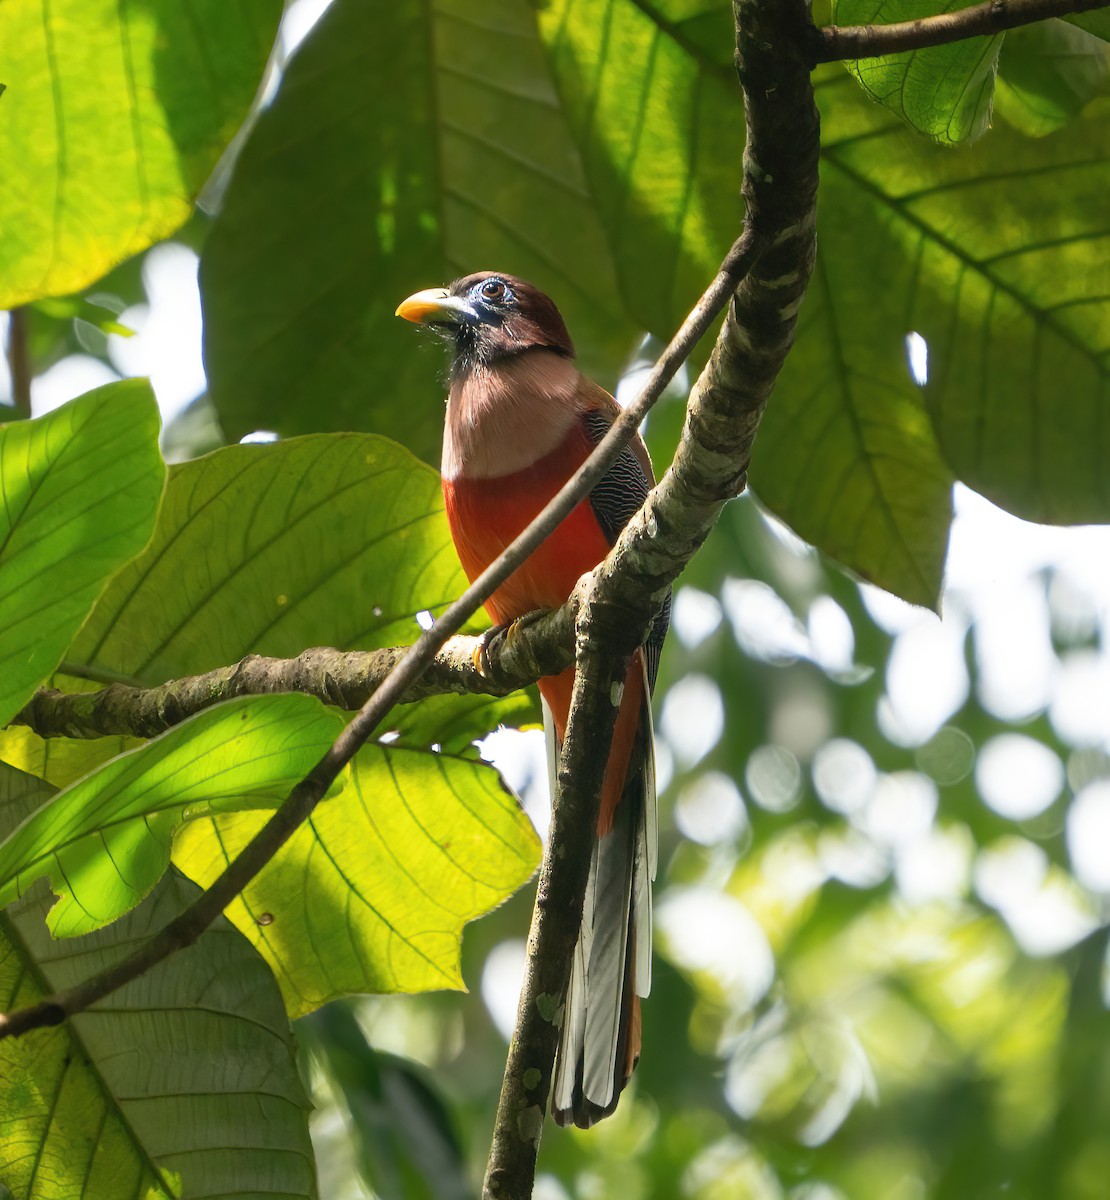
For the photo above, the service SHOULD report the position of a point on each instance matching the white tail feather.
(574, 1027)
(651, 807)
(605, 966)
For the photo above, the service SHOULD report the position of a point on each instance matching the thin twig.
(835, 42)
(19, 361)
(187, 927)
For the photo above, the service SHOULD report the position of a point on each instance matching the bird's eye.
(493, 289)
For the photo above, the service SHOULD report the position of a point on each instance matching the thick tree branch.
(620, 599)
(345, 679)
(835, 42)
(188, 926)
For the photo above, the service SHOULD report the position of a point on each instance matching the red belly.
(485, 515)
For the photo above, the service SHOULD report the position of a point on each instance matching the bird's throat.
(504, 417)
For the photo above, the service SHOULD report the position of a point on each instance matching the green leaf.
(80, 493)
(183, 1082)
(847, 455)
(114, 115)
(328, 540)
(106, 840)
(998, 260)
(335, 540)
(272, 548)
(1048, 73)
(372, 894)
(1097, 22)
(388, 162)
(1010, 287)
(942, 91)
(656, 115)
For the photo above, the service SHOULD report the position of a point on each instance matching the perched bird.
(520, 421)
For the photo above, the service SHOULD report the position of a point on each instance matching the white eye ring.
(493, 289)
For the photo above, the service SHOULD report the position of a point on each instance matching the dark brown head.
(490, 316)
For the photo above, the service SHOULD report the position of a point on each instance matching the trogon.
(521, 419)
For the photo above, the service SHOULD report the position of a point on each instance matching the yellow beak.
(435, 306)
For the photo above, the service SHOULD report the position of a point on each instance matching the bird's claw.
(480, 656)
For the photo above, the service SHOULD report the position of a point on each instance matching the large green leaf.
(183, 1082)
(1010, 287)
(272, 548)
(998, 260)
(80, 492)
(407, 144)
(943, 91)
(333, 540)
(847, 455)
(372, 894)
(114, 115)
(106, 840)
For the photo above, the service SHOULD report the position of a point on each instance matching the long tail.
(600, 1038)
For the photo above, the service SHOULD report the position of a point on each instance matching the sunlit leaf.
(183, 1082)
(80, 491)
(114, 115)
(942, 91)
(653, 102)
(106, 840)
(372, 894)
(333, 540)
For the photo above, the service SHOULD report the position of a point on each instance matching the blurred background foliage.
(882, 959)
(881, 964)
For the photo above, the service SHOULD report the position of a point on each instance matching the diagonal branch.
(835, 42)
(621, 597)
(187, 927)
